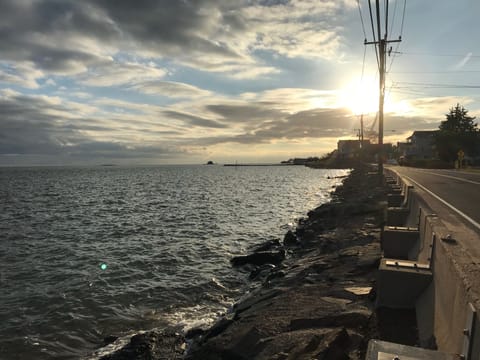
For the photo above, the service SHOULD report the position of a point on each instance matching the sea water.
(87, 252)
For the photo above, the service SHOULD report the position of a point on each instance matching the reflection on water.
(89, 252)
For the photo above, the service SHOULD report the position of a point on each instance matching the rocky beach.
(315, 297)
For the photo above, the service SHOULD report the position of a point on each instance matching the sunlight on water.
(92, 252)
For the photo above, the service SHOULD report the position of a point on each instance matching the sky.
(188, 81)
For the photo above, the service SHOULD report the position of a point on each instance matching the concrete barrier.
(399, 242)
(395, 200)
(397, 216)
(447, 307)
(401, 282)
(383, 350)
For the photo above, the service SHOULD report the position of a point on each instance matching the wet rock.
(219, 327)
(267, 245)
(275, 275)
(259, 258)
(254, 299)
(195, 332)
(109, 339)
(261, 272)
(250, 344)
(151, 345)
(290, 239)
(350, 319)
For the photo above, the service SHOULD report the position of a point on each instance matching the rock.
(109, 339)
(290, 239)
(249, 344)
(267, 245)
(151, 345)
(328, 345)
(335, 347)
(261, 271)
(259, 258)
(219, 327)
(275, 275)
(195, 332)
(350, 319)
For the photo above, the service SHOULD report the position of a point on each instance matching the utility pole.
(381, 47)
(382, 52)
(361, 130)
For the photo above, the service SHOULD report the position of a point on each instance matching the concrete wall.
(444, 306)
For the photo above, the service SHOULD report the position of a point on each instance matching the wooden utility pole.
(382, 52)
(361, 130)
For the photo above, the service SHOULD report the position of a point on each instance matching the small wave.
(194, 316)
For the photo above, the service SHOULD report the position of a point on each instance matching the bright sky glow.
(163, 82)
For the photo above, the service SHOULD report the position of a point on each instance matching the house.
(421, 145)
(348, 149)
(404, 149)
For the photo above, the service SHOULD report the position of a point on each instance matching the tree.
(458, 132)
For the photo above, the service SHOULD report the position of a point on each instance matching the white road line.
(450, 177)
(465, 216)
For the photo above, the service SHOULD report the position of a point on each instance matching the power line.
(363, 64)
(393, 17)
(436, 72)
(361, 19)
(435, 85)
(430, 54)
(373, 31)
(386, 17)
(407, 92)
(403, 17)
(401, 34)
(377, 3)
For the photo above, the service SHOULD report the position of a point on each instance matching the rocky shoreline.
(316, 294)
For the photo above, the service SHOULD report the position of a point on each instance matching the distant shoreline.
(261, 165)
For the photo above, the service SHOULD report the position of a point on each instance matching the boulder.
(259, 258)
(151, 345)
(290, 239)
(267, 245)
(261, 272)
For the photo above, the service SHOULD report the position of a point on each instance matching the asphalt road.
(459, 188)
(454, 195)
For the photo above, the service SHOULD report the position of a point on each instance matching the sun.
(360, 96)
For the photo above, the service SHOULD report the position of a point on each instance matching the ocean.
(87, 252)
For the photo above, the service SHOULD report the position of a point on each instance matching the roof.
(423, 133)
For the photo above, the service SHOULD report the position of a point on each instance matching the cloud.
(170, 89)
(117, 129)
(23, 74)
(245, 112)
(437, 106)
(56, 36)
(193, 120)
(50, 126)
(73, 37)
(313, 123)
(115, 74)
(104, 127)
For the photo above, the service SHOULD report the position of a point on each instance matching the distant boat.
(210, 162)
